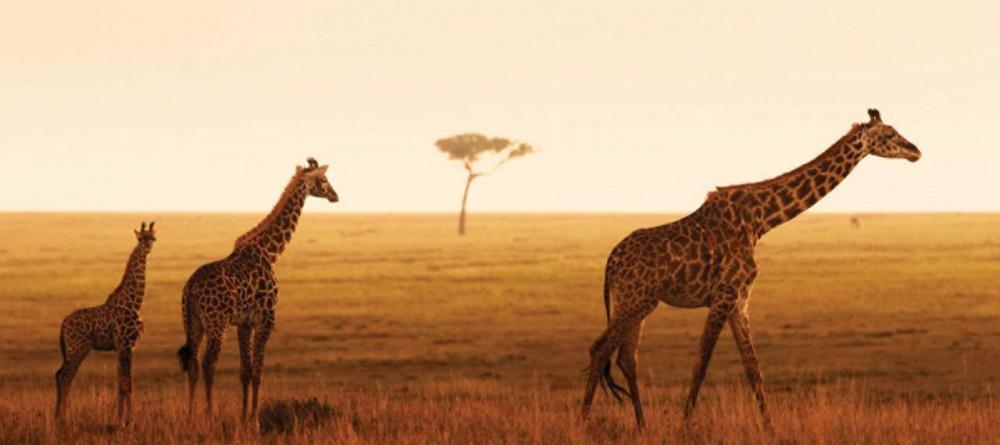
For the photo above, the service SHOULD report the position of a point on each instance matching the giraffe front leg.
(245, 333)
(262, 334)
(739, 321)
(717, 316)
(125, 387)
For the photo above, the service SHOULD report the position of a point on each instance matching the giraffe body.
(706, 259)
(241, 290)
(112, 326)
(93, 328)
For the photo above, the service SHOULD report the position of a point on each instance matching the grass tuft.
(287, 416)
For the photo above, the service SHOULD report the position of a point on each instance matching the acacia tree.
(471, 149)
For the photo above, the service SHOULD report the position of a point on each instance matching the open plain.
(404, 332)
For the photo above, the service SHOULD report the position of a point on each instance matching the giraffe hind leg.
(628, 361)
(624, 321)
(596, 368)
(212, 349)
(73, 357)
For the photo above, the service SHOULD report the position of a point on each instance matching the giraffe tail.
(609, 381)
(607, 293)
(185, 355)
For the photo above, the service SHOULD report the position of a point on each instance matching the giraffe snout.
(912, 152)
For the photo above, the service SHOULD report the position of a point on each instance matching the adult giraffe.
(706, 259)
(241, 290)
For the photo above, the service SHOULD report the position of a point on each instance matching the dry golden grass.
(481, 412)
(887, 334)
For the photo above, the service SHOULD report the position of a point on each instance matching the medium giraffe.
(112, 326)
(706, 259)
(241, 290)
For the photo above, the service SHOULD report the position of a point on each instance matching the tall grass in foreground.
(484, 412)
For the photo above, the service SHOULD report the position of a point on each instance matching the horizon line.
(498, 212)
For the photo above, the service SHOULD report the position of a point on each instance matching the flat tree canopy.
(468, 147)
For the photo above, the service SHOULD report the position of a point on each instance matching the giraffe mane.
(816, 161)
(275, 211)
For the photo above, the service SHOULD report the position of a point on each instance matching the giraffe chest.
(102, 338)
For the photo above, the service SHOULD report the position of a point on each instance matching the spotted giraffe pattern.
(112, 326)
(706, 259)
(241, 290)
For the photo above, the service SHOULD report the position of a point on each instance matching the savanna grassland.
(404, 332)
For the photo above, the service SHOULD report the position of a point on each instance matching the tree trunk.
(465, 198)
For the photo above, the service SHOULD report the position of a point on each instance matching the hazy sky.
(635, 105)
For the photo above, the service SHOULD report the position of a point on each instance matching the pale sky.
(638, 106)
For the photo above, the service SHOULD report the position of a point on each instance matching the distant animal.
(706, 259)
(241, 290)
(856, 222)
(112, 326)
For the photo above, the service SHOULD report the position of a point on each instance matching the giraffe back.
(232, 290)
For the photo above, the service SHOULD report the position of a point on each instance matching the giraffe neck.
(132, 288)
(269, 238)
(775, 201)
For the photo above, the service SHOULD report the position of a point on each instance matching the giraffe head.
(884, 141)
(146, 236)
(316, 183)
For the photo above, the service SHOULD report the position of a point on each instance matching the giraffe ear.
(874, 115)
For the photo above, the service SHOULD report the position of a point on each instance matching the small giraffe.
(241, 290)
(855, 221)
(112, 326)
(706, 259)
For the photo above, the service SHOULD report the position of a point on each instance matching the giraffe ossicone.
(706, 259)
